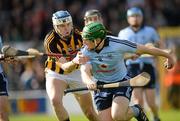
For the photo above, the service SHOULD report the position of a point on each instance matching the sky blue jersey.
(145, 35)
(108, 65)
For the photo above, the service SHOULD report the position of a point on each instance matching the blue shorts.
(103, 98)
(3, 84)
(135, 69)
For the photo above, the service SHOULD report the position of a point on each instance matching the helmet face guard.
(91, 13)
(92, 16)
(93, 31)
(61, 17)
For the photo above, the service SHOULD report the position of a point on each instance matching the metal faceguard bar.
(90, 16)
(62, 20)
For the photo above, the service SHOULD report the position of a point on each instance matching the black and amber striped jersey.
(53, 43)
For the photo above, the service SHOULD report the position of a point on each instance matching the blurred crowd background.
(24, 24)
(30, 20)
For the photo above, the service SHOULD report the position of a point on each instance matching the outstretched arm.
(141, 49)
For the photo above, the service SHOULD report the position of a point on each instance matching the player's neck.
(136, 28)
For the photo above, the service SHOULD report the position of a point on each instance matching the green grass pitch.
(171, 115)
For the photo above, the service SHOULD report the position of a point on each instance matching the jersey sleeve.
(84, 51)
(127, 46)
(155, 35)
(49, 45)
(123, 45)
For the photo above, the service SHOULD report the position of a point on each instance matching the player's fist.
(169, 63)
(33, 51)
(80, 58)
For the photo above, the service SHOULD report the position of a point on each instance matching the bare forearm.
(86, 78)
(68, 66)
(86, 74)
(152, 51)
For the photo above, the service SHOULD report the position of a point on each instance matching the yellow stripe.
(50, 36)
(72, 43)
(49, 65)
(49, 50)
(66, 72)
(59, 48)
(80, 43)
(65, 47)
(48, 40)
(57, 68)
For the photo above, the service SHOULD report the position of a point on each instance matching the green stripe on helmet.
(93, 31)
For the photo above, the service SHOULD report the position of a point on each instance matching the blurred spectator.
(4, 103)
(172, 78)
(171, 12)
(29, 20)
(33, 75)
(27, 77)
(27, 73)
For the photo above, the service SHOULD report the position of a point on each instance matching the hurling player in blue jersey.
(3, 93)
(106, 65)
(137, 32)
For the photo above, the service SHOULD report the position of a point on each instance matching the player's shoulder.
(113, 40)
(111, 37)
(149, 28)
(124, 31)
(50, 35)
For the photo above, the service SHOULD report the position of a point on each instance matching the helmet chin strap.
(97, 45)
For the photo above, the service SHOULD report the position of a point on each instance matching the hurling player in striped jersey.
(63, 73)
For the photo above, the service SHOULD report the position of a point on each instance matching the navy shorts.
(103, 98)
(3, 84)
(135, 69)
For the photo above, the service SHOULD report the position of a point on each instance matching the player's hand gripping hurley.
(138, 81)
(11, 52)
